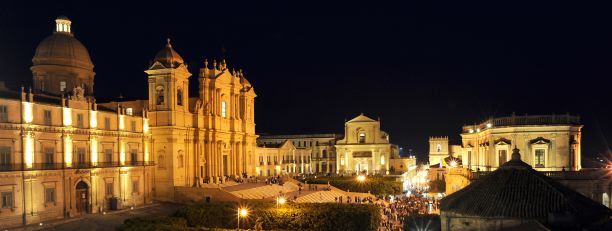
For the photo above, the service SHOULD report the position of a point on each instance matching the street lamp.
(361, 178)
(280, 201)
(242, 212)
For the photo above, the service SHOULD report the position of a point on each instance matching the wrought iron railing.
(84, 165)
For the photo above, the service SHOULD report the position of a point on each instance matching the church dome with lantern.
(61, 62)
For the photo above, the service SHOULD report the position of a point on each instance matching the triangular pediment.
(540, 140)
(361, 118)
(502, 141)
(287, 144)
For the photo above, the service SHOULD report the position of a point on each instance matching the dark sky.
(425, 68)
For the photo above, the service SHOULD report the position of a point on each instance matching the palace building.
(62, 154)
(550, 143)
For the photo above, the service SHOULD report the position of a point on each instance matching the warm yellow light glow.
(29, 150)
(62, 25)
(489, 125)
(453, 163)
(93, 119)
(146, 151)
(121, 122)
(382, 160)
(145, 125)
(243, 212)
(94, 151)
(68, 151)
(67, 116)
(28, 113)
(342, 162)
(122, 152)
(281, 200)
(361, 178)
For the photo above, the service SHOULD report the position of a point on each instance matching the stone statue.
(78, 93)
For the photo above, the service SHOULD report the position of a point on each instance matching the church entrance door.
(82, 197)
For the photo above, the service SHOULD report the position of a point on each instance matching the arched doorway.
(82, 197)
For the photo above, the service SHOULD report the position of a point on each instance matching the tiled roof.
(515, 190)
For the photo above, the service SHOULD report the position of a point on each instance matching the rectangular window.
(108, 155)
(80, 120)
(5, 155)
(109, 189)
(3, 114)
(49, 155)
(135, 186)
(134, 155)
(107, 123)
(129, 111)
(7, 200)
(539, 158)
(502, 157)
(133, 126)
(81, 156)
(62, 86)
(469, 158)
(223, 109)
(50, 195)
(47, 115)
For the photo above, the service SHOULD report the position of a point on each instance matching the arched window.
(223, 109)
(438, 148)
(362, 137)
(160, 161)
(160, 95)
(180, 159)
(179, 97)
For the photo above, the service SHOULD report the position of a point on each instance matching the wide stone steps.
(321, 197)
(265, 191)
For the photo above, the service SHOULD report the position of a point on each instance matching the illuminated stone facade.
(550, 143)
(364, 148)
(62, 154)
(282, 158)
(315, 153)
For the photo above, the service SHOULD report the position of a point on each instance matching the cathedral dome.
(168, 56)
(62, 48)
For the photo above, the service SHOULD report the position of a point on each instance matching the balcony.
(85, 165)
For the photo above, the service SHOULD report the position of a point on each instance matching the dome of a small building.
(168, 57)
(61, 62)
(516, 194)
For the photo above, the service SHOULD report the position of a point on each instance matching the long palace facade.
(62, 154)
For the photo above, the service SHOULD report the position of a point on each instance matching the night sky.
(424, 69)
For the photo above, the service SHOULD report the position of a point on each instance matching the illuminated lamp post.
(242, 212)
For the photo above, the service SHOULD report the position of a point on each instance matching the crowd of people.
(404, 206)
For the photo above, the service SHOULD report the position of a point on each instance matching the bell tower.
(168, 81)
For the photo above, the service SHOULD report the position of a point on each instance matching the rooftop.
(526, 120)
